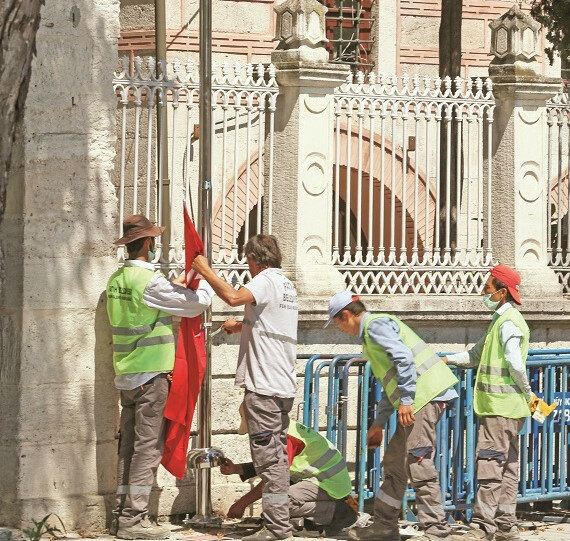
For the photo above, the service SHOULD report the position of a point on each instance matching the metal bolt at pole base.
(201, 461)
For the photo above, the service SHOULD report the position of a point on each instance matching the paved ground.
(535, 531)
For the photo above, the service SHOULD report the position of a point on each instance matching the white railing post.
(302, 194)
(520, 198)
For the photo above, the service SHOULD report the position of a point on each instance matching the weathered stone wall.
(58, 406)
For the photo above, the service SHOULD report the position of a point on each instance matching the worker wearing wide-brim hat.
(140, 306)
(417, 383)
(502, 400)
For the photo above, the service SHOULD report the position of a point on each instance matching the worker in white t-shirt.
(266, 369)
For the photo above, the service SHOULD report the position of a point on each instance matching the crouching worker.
(502, 400)
(417, 383)
(319, 477)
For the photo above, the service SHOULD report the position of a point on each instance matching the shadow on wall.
(105, 411)
(11, 297)
(62, 211)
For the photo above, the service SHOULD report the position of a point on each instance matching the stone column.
(303, 147)
(520, 152)
(58, 405)
(385, 32)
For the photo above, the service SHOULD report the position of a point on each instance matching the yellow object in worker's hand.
(533, 402)
(540, 409)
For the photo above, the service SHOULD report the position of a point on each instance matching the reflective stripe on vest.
(332, 471)
(495, 371)
(314, 471)
(143, 329)
(496, 393)
(143, 340)
(319, 462)
(434, 376)
(497, 389)
(317, 465)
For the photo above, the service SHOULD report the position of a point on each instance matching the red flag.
(189, 367)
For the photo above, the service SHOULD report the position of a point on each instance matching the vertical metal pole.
(161, 120)
(203, 485)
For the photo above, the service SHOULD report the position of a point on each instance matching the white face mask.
(491, 305)
(151, 254)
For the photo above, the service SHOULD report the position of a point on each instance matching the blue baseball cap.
(338, 302)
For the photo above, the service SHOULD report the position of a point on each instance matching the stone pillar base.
(316, 279)
(539, 282)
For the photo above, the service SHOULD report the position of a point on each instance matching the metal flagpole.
(204, 457)
(162, 125)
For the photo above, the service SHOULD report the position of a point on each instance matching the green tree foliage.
(554, 15)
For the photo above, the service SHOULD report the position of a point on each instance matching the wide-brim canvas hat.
(138, 226)
(511, 278)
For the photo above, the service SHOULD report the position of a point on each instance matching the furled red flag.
(189, 367)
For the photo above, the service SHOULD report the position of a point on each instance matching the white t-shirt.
(268, 346)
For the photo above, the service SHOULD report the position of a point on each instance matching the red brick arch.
(224, 202)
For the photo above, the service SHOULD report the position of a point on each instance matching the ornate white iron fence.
(158, 171)
(412, 183)
(559, 187)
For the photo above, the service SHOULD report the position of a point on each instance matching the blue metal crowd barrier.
(352, 394)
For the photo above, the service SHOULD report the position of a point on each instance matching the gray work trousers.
(308, 501)
(267, 422)
(141, 440)
(311, 502)
(497, 473)
(410, 455)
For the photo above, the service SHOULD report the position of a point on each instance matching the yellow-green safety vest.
(319, 462)
(434, 376)
(143, 340)
(496, 393)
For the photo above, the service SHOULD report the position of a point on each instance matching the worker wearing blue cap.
(417, 383)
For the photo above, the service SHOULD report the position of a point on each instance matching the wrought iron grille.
(243, 110)
(393, 184)
(349, 25)
(559, 187)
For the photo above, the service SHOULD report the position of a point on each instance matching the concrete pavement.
(536, 531)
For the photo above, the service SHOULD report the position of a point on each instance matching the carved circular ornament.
(314, 177)
(530, 188)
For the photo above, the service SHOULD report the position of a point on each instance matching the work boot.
(264, 535)
(511, 535)
(114, 528)
(344, 518)
(374, 532)
(475, 533)
(145, 529)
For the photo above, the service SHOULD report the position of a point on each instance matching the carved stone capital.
(514, 36)
(300, 24)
